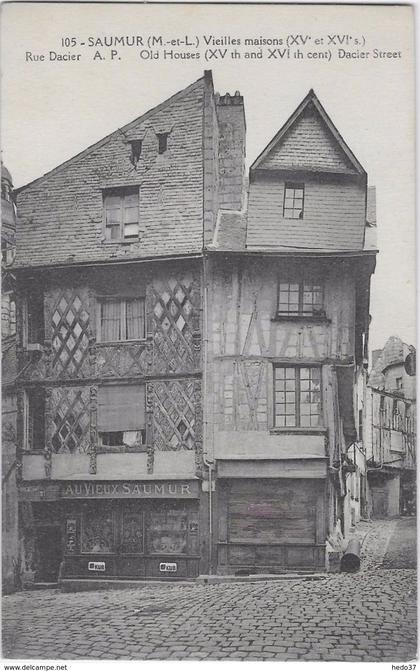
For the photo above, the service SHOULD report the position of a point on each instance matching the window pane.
(110, 320)
(131, 214)
(97, 529)
(112, 232)
(167, 531)
(310, 397)
(113, 216)
(285, 402)
(132, 530)
(131, 230)
(135, 319)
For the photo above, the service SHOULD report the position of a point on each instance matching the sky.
(52, 109)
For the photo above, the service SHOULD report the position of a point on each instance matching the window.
(293, 201)
(163, 142)
(35, 420)
(121, 416)
(121, 319)
(34, 330)
(136, 146)
(397, 420)
(360, 430)
(8, 315)
(297, 396)
(399, 383)
(302, 297)
(97, 528)
(8, 253)
(121, 214)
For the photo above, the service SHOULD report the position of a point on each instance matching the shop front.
(270, 525)
(122, 530)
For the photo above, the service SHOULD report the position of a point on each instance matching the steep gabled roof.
(61, 213)
(124, 130)
(309, 140)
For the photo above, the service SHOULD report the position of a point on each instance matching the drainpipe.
(208, 461)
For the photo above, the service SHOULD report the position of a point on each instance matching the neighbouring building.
(188, 355)
(391, 430)
(288, 285)
(10, 544)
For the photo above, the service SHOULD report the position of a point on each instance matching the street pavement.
(365, 616)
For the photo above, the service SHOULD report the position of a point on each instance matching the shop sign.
(96, 566)
(168, 567)
(109, 490)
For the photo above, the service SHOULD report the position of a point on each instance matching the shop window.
(121, 319)
(34, 420)
(121, 212)
(121, 416)
(97, 529)
(302, 297)
(33, 318)
(131, 530)
(297, 396)
(167, 531)
(293, 201)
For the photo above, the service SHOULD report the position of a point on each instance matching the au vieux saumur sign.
(140, 490)
(183, 489)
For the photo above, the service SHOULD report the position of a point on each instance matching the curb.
(261, 577)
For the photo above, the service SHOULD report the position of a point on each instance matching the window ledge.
(121, 242)
(142, 341)
(317, 319)
(318, 430)
(121, 449)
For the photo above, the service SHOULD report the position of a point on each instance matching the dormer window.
(136, 146)
(163, 142)
(121, 212)
(293, 201)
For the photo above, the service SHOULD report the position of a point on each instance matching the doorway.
(49, 551)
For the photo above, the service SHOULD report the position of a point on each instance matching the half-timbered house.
(288, 317)
(390, 419)
(109, 282)
(187, 356)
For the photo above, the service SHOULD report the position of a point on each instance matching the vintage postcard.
(208, 333)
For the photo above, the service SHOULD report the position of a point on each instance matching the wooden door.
(379, 503)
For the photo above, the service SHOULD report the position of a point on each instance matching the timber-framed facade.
(188, 354)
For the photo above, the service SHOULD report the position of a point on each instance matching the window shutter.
(121, 408)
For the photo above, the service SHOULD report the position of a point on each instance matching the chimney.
(375, 356)
(232, 127)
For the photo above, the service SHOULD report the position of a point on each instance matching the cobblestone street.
(367, 616)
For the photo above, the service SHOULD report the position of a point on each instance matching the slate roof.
(61, 213)
(310, 141)
(308, 150)
(392, 353)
